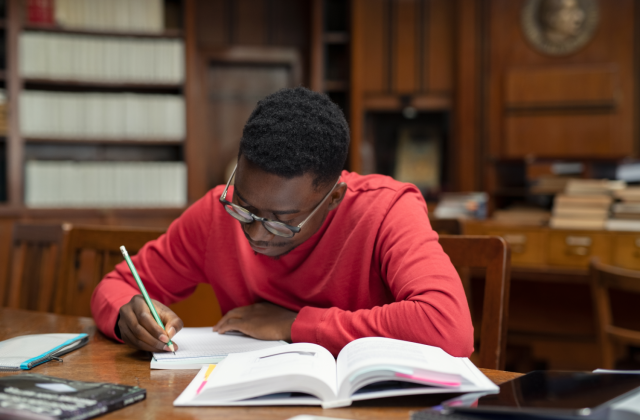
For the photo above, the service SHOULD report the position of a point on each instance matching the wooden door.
(233, 92)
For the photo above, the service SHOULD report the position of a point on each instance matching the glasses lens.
(278, 229)
(239, 213)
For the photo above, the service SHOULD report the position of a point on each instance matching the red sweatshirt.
(374, 268)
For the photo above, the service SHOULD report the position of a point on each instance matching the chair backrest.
(490, 253)
(35, 260)
(605, 278)
(92, 252)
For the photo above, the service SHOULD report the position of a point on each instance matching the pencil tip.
(174, 353)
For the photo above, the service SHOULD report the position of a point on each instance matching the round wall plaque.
(559, 27)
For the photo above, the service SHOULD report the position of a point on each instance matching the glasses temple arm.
(224, 194)
(320, 204)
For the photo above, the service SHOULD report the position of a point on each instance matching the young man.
(297, 249)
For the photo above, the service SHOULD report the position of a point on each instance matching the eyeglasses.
(277, 228)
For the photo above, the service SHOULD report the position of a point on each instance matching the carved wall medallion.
(559, 27)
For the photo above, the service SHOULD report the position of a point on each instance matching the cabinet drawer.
(626, 251)
(527, 247)
(575, 248)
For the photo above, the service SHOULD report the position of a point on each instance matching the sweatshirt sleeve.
(430, 304)
(170, 267)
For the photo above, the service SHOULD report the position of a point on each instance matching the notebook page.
(203, 342)
(20, 349)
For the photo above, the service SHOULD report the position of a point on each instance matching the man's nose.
(257, 232)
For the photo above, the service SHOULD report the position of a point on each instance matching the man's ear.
(337, 195)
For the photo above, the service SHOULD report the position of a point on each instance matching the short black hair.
(297, 131)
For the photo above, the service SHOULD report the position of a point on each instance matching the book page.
(204, 342)
(300, 367)
(371, 353)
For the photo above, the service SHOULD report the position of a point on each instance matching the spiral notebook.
(27, 351)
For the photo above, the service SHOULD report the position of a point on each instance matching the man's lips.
(257, 247)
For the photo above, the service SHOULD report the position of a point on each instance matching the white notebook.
(198, 347)
(27, 351)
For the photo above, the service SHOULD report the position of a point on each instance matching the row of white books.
(95, 58)
(117, 116)
(116, 15)
(55, 184)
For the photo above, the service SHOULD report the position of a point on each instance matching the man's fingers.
(149, 323)
(130, 338)
(231, 324)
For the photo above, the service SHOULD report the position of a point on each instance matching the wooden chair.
(492, 254)
(446, 226)
(33, 276)
(93, 251)
(604, 279)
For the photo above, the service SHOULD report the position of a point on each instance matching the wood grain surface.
(102, 360)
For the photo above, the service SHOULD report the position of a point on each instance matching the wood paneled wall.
(579, 105)
(402, 55)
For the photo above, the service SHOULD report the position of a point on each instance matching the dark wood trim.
(356, 117)
(316, 75)
(15, 152)
(25, 213)
(75, 85)
(465, 128)
(195, 99)
(114, 142)
(423, 102)
(169, 33)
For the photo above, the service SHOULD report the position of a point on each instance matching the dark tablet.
(552, 394)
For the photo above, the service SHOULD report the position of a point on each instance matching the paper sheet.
(203, 342)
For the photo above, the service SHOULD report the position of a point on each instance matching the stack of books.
(109, 15)
(52, 56)
(625, 213)
(520, 215)
(585, 204)
(66, 184)
(106, 116)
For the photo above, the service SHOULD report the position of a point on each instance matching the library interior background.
(515, 118)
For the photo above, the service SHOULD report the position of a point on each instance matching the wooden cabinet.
(575, 248)
(626, 250)
(527, 246)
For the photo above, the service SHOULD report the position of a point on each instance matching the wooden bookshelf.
(16, 148)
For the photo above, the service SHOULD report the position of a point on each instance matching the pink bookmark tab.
(425, 379)
(206, 378)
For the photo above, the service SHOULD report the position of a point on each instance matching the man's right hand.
(139, 330)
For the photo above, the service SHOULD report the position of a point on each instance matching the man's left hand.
(264, 321)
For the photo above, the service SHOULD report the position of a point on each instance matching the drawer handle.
(579, 251)
(578, 241)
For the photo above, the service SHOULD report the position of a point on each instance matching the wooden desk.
(105, 361)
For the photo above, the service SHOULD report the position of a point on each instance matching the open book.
(307, 374)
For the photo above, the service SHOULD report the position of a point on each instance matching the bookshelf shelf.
(102, 142)
(107, 86)
(169, 33)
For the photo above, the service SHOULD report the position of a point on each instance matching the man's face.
(285, 200)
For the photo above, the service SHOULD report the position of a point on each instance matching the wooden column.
(466, 118)
(317, 46)
(355, 91)
(195, 91)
